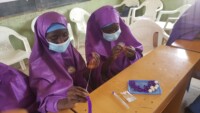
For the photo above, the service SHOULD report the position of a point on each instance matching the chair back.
(128, 3)
(144, 30)
(77, 15)
(71, 35)
(131, 3)
(5, 44)
(9, 55)
(126, 12)
(151, 8)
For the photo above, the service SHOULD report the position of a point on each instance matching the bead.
(150, 91)
(156, 85)
(156, 82)
(153, 89)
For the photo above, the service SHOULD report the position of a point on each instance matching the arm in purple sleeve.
(48, 93)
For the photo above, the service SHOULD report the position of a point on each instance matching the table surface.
(15, 111)
(192, 45)
(170, 66)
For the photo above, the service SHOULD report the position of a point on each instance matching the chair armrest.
(165, 12)
(26, 45)
(119, 5)
(87, 13)
(139, 7)
(133, 11)
(160, 8)
(172, 19)
(25, 42)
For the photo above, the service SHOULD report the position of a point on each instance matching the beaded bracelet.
(149, 88)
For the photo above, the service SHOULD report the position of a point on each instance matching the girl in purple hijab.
(56, 68)
(108, 36)
(15, 92)
(188, 25)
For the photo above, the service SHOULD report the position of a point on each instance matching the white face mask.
(59, 47)
(112, 36)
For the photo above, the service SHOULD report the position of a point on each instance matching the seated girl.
(108, 36)
(57, 70)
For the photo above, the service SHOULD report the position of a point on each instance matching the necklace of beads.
(151, 86)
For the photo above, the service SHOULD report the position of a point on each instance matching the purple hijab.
(50, 75)
(15, 91)
(188, 25)
(104, 16)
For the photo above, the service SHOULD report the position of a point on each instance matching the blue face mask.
(112, 36)
(59, 47)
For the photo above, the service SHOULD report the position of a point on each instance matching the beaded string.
(150, 87)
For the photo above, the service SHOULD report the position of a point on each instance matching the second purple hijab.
(188, 25)
(50, 77)
(95, 43)
(15, 92)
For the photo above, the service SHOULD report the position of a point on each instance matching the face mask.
(112, 36)
(59, 47)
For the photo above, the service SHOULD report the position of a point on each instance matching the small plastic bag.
(129, 97)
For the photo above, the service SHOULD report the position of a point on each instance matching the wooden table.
(192, 45)
(15, 111)
(172, 67)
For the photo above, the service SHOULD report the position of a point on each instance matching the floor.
(189, 96)
(192, 93)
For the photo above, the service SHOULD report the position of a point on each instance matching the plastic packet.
(129, 97)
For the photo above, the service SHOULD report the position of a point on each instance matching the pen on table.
(120, 100)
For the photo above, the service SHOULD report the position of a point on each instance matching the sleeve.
(47, 88)
(45, 94)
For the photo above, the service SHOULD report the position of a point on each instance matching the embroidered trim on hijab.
(55, 26)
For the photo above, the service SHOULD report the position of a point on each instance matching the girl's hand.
(74, 95)
(95, 61)
(129, 51)
(116, 51)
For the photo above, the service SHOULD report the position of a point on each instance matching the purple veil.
(94, 38)
(49, 76)
(188, 25)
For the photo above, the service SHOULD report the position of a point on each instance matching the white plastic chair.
(152, 7)
(77, 15)
(144, 30)
(128, 3)
(189, 1)
(8, 55)
(33, 24)
(169, 24)
(71, 36)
